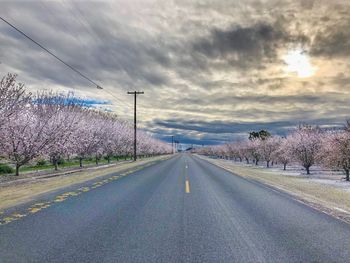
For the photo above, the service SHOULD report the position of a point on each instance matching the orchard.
(54, 126)
(305, 145)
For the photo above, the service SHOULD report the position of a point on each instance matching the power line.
(94, 35)
(59, 59)
(52, 54)
(110, 93)
(96, 39)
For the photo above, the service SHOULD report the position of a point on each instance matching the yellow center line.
(59, 198)
(187, 187)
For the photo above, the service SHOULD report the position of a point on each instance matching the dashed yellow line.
(60, 198)
(8, 219)
(187, 187)
(17, 215)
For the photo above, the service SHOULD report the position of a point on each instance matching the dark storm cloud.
(333, 42)
(190, 140)
(92, 50)
(187, 136)
(218, 127)
(333, 98)
(245, 46)
(307, 4)
(210, 71)
(333, 38)
(255, 40)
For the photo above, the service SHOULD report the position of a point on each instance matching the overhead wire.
(59, 59)
(90, 30)
(81, 19)
(49, 52)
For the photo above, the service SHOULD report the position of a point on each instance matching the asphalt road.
(180, 210)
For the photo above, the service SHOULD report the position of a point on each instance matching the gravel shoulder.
(21, 191)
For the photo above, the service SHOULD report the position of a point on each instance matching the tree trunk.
(307, 169)
(96, 160)
(256, 162)
(108, 159)
(267, 164)
(54, 160)
(347, 175)
(247, 160)
(81, 162)
(17, 169)
(284, 166)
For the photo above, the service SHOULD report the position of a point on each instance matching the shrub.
(61, 161)
(6, 169)
(41, 162)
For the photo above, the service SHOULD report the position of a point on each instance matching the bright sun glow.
(298, 62)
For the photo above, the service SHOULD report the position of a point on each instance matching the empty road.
(183, 209)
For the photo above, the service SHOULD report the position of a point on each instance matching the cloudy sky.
(211, 70)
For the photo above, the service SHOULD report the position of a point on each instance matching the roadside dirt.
(21, 191)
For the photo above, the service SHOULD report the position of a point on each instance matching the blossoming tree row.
(305, 145)
(57, 126)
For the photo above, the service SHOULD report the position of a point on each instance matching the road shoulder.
(22, 192)
(325, 198)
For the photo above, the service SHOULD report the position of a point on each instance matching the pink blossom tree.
(110, 137)
(282, 153)
(88, 136)
(253, 148)
(335, 151)
(69, 118)
(12, 97)
(243, 150)
(267, 148)
(56, 125)
(304, 144)
(30, 131)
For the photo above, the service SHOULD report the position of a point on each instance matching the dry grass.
(20, 193)
(327, 198)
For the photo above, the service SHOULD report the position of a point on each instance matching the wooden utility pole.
(135, 93)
